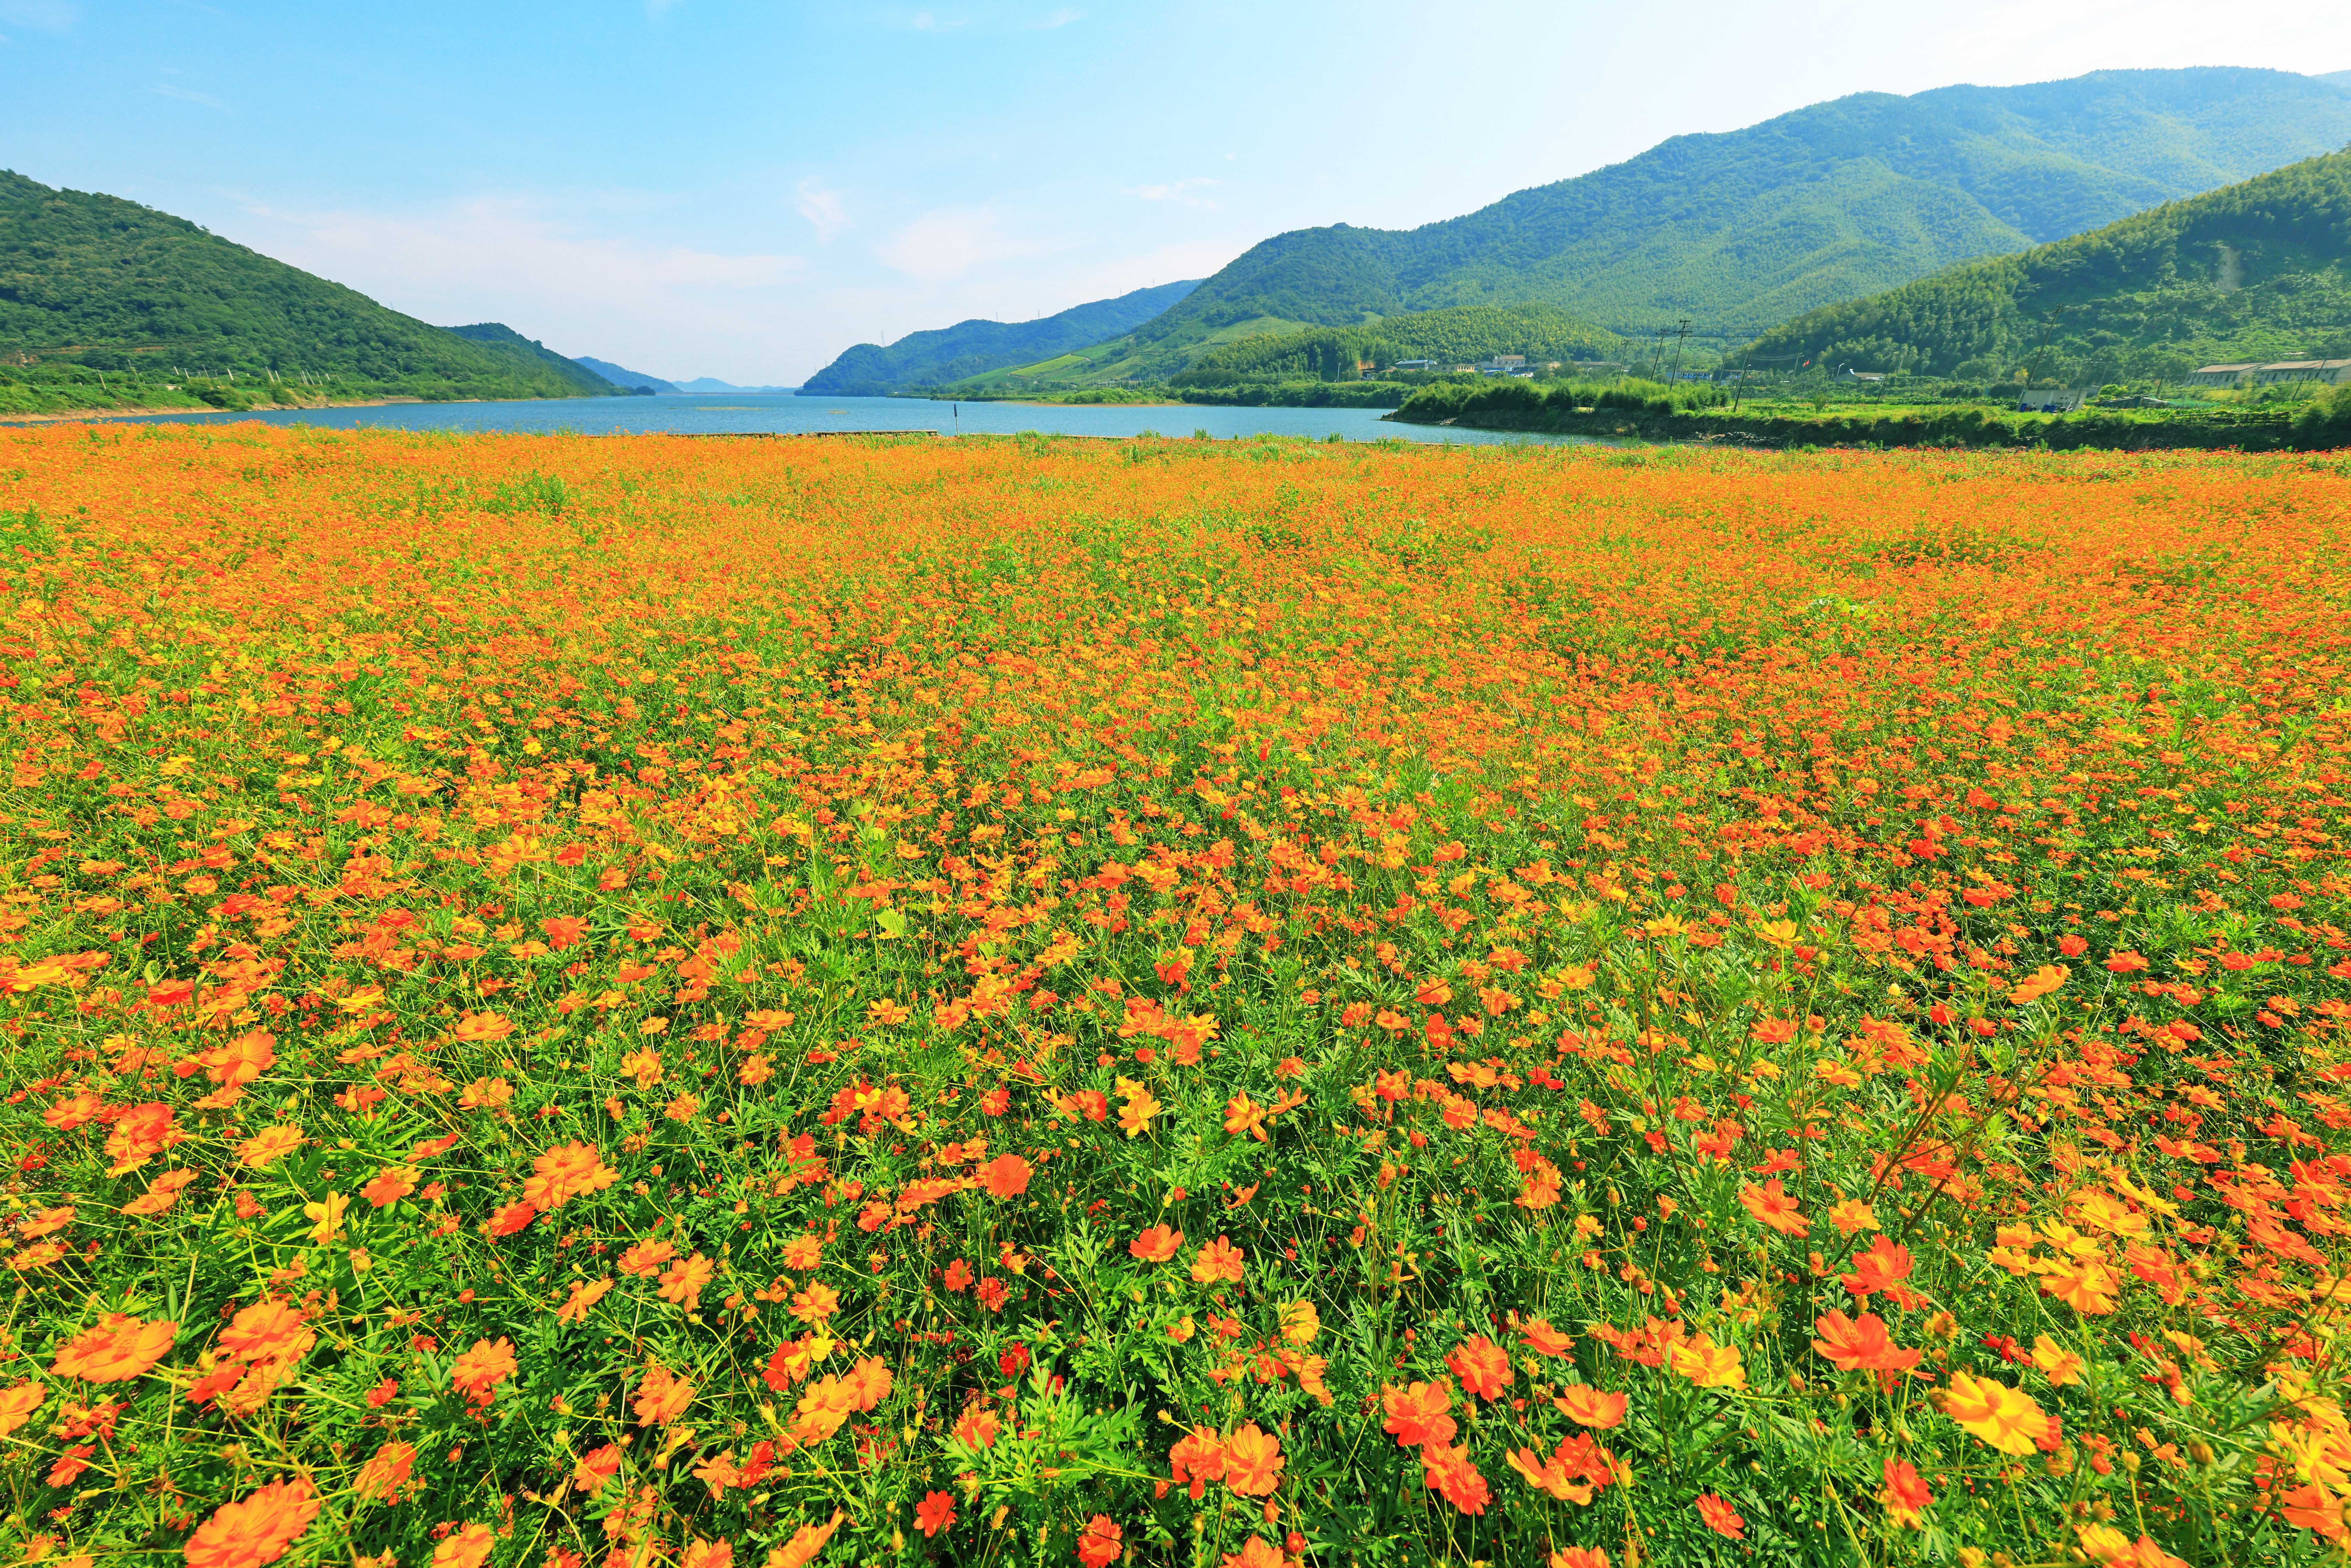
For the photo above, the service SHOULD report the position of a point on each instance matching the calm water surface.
(803, 415)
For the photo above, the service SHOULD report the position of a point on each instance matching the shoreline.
(87, 414)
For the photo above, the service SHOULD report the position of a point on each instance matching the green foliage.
(531, 357)
(1748, 228)
(1540, 332)
(973, 347)
(2254, 271)
(108, 285)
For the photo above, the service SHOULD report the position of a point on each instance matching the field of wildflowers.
(645, 1001)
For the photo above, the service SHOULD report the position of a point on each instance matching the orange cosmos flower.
(806, 1543)
(390, 1185)
(661, 1397)
(266, 1330)
(1544, 1340)
(563, 1174)
(18, 1405)
(469, 1548)
(1156, 1245)
(934, 1512)
(816, 1303)
(1578, 1557)
(386, 1472)
(645, 1259)
(1483, 1366)
(1449, 1473)
(1099, 1543)
(483, 1026)
(477, 1372)
(584, 1295)
(1219, 1259)
(1706, 1364)
(1905, 1495)
(683, 1284)
(161, 1193)
(1006, 1175)
(978, 1428)
(1774, 1207)
(1856, 1344)
(1197, 1457)
(118, 1349)
(1590, 1407)
(1253, 1461)
(256, 1529)
(269, 1143)
(1721, 1517)
(1416, 1413)
(1996, 1416)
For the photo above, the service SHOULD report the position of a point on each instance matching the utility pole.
(1745, 359)
(1681, 335)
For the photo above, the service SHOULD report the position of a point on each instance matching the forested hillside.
(1748, 228)
(1464, 334)
(96, 281)
(971, 348)
(528, 355)
(2258, 270)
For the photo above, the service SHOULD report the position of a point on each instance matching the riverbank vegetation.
(1238, 1003)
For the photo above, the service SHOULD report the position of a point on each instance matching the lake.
(805, 415)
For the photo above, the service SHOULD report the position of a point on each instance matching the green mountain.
(96, 281)
(971, 348)
(2259, 270)
(529, 356)
(623, 377)
(1464, 334)
(1747, 228)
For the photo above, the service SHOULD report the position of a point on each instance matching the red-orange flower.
(1483, 1366)
(1253, 1461)
(256, 1529)
(1416, 1413)
(118, 1349)
(1156, 1245)
(1721, 1517)
(1006, 1175)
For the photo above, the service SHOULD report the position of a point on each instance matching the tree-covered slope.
(622, 377)
(529, 354)
(101, 282)
(1750, 227)
(2256, 270)
(1463, 334)
(973, 347)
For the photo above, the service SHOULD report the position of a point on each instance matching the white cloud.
(1179, 191)
(42, 16)
(823, 209)
(1060, 18)
(166, 89)
(950, 241)
(656, 9)
(502, 259)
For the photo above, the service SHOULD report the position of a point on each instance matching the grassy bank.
(1573, 410)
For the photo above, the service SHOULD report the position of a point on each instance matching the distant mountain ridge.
(623, 379)
(2255, 271)
(505, 341)
(1748, 228)
(974, 347)
(98, 281)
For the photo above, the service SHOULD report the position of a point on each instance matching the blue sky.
(699, 187)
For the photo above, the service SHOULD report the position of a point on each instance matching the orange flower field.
(652, 1001)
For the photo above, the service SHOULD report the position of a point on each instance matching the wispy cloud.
(950, 241)
(503, 257)
(1060, 18)
(656, 9)
(823, 208)
(1179, 191)
(185, 95)
(41, 16)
